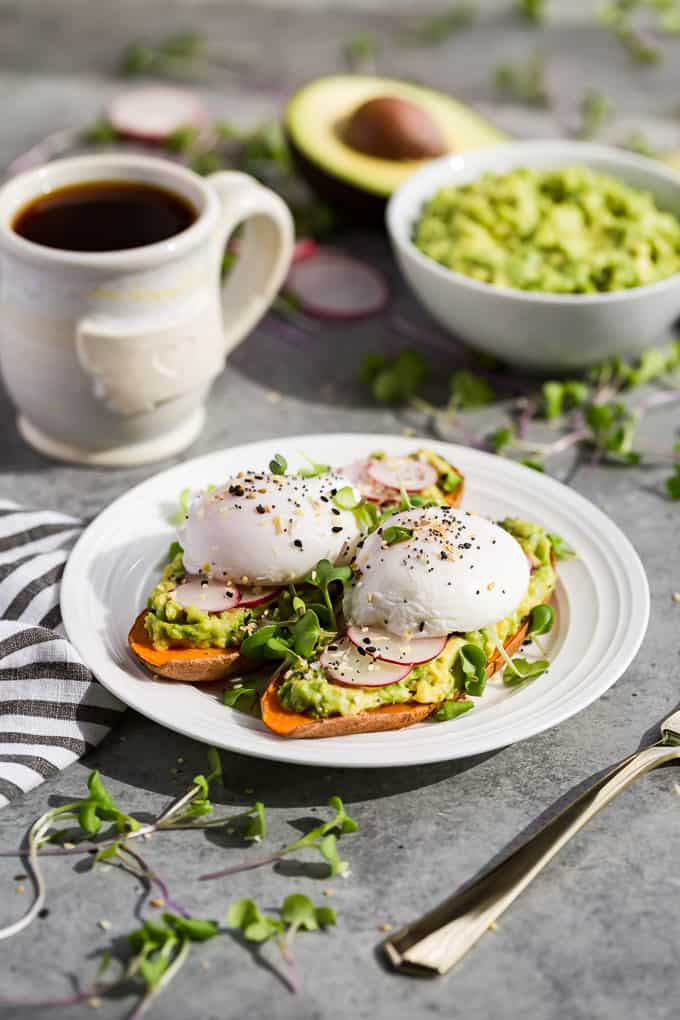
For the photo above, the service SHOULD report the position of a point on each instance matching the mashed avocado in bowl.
(563, 231)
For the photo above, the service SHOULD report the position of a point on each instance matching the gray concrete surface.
(596, 937)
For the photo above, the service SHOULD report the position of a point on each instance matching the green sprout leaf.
(541, 620)
(278, 465)
(329, 851)
(192, 928)
(174, 550)
(243, 696)
(452, 709)
(561, 548)
(256, 826)
(322, 577)
(396, 533)
(314, 470)
(523, 670)
(469, 670)
(179, 516)
(673, 483)
(394, 381)
(469, 391)
(299, 910)
(306, 633)
(346, 498)
(255, 645)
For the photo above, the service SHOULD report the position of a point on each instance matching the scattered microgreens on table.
(151, 955)
(297, 913)
(592, 415)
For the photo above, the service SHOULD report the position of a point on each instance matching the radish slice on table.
(256, 596)
(403, 472)
(153, 114)
(209, 595)
(346, 665)
(390, 648)
(331, 285)
(304, 249)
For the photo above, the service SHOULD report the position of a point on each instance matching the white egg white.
(261, 528)
(458, 572)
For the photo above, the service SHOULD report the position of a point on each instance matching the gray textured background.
(597, 935)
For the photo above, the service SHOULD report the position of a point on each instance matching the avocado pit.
(395, 129)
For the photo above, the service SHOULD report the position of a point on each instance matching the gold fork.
(435, 942)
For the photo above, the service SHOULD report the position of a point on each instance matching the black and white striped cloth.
(52, 709)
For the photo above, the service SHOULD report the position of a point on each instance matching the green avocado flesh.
(308, 691)
(316, 114)
(564, 231)
(170, 625)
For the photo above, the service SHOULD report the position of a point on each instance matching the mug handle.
(264, 253)
(132, 372)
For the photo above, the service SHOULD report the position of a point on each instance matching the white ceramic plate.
(602, 603)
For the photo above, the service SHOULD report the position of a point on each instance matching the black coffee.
(104, 216)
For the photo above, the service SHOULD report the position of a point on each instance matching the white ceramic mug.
(109, 356)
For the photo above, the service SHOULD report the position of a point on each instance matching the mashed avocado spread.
(169, 625)
(308, 690)
(566, 231)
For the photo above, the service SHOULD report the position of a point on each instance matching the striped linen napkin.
(52, 709)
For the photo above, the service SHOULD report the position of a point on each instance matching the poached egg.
(261, 528)
(456, 572)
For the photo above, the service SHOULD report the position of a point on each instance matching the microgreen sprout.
(561, 548)
(188, 811)
(314, 469)
(517, 671)
(394, 381)
(322, 577)
(296, 913)
(322, 838)
(440, 27)
(452, 709)
(469, 670)
(278, 465)
(541, 621)
(396, 533)
(523, 83)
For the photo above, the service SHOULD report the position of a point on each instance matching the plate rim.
(567, 706)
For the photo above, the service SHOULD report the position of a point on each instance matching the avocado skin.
(347, 201)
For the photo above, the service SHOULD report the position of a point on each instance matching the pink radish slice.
(210, 595)
(345, 664)
(331, 285)
(256, 596)
(389, 648)
(304, 249)
(398, 472)
(153, 114)
(357, 473)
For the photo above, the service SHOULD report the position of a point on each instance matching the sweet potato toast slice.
(388, 717)
(193, 665)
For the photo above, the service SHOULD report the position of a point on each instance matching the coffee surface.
(104, 216)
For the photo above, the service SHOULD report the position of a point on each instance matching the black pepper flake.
(260, 509)
(421, 626)
(237, 490)
(334, 510)
(443, 555)
(298, 543)
(336, 528)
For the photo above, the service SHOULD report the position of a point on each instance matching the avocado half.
(318, 121)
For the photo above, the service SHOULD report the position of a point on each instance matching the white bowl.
(534, 329)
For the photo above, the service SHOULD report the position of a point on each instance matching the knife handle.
(435, 942)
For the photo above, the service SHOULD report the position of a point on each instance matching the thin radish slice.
(153, 114)
(402, 472)
(389, 648)
(346, 665)
(357, 472)
(209, 595)
(304, 249)
(256, 596)
(331, 285)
